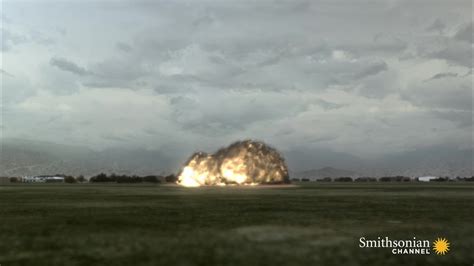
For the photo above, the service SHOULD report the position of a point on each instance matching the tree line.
(102, 177)
(381, 179)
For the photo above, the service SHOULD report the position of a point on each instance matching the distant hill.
(301, 158)
(441, 160)
(24, 157)
(324, 172)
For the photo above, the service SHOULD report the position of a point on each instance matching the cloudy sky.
(367, 78)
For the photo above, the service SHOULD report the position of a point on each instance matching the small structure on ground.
(426, 178)
(42, 179)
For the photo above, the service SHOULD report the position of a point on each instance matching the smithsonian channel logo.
(414, 246)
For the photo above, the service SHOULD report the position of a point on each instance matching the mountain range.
(21, 157)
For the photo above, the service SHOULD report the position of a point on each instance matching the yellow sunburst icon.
(441, 246)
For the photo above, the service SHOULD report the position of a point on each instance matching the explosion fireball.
(245, 162)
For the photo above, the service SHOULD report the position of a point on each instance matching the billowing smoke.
(242, 163)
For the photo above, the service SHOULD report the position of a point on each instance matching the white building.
(426, 178)
(32, 179)
(42, 179)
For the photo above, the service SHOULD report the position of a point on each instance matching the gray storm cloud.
(377, 77)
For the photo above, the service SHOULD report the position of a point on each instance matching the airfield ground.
(306, 224)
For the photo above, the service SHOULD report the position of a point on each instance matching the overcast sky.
(363, 77)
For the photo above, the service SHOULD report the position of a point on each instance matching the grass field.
(310, 224)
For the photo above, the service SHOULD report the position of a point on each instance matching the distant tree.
(113, 177)
(343, 179)
(365, 179)
(470, 179)
(440, 179)
(325, 179)
(151, 179)
(128, 179)
(14, 179)
(81, 179)
(171, 178)
(120, 179)
(100, 178)
(397, 178)
(161, 178)
(400, 178)
(70, 179)
(304, 179)
(295, 180)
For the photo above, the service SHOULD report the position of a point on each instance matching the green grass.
(311, 224)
